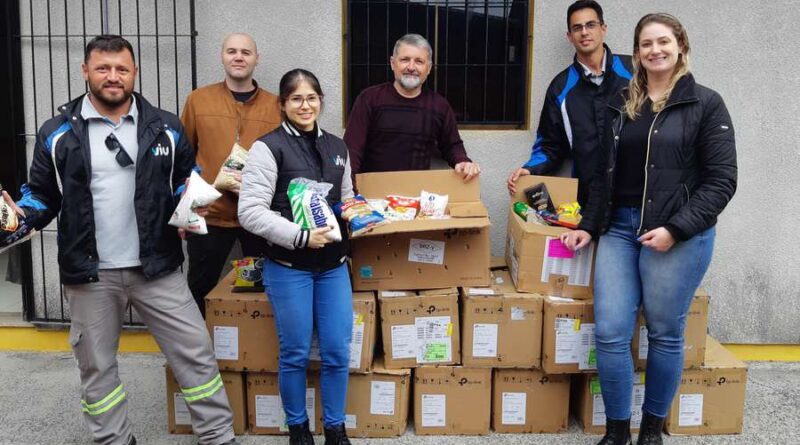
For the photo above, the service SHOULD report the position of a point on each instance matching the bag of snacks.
(401, 208)
(249, 275)
(432, 205)
(360, 216)
(310, 210)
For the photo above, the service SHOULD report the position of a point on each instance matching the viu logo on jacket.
(160, 150)
(339, 161)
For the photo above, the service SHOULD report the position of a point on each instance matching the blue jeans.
(302, 301)
(628, 275)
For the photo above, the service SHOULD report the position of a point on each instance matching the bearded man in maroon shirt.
(398, 125)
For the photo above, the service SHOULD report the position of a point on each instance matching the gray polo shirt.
(596, 79)
(113, 187)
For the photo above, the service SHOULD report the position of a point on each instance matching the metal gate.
(49, 42)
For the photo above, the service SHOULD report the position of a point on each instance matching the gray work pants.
(166, 305)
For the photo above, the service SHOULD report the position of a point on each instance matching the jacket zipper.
(647, 161)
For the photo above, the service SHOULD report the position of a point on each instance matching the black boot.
(300, 434)
(650, 430)
(336, 436)
(618, 432)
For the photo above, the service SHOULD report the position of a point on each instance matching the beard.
(410, 81)
(110, 101)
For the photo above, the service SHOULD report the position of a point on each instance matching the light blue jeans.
(302, 301)
(629, 275)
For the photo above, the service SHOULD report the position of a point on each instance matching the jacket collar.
(294, 131)
(608, 66)
(147, 113)
(684, 91)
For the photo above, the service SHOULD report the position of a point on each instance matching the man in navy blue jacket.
(573, 115)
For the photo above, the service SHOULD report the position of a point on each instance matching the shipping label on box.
(568, 344)
(419, 330)
(424, 253)
(452, 400)
(242, 329)
(529, 401)
(377, 403)
(710, 399)
(501, 331)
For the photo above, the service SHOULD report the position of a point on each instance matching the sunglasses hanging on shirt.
(112, 143)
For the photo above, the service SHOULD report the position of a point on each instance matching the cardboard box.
(362, 342)
(178, 418)
(265, 413)
(424, 252)
(452, 400)
(497, 262)
(501, 330)
(528, 401)
(694, 347)
(420, 329)
(242, 328)
(590, 410)
(568, 336)
(377, 403)
(537, 260)
(710, 400)
(501, 279)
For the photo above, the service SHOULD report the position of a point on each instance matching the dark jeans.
(207, 255)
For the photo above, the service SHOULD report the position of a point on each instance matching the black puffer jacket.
(690, 173)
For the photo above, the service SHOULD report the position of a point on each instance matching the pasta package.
(310, 209)
(360, 215)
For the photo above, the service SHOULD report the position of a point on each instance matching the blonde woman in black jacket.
(668, 171)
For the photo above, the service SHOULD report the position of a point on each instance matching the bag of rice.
(230, 173)
(310, 209)
(432, 205)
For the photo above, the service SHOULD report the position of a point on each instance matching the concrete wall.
(740, 48)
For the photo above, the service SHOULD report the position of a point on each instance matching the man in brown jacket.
(216, 117)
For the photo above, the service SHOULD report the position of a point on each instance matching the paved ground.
(39, 393)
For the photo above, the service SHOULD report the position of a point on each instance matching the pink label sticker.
(558, 250)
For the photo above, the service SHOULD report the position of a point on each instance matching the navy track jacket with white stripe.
(59, 186)
(573, 120)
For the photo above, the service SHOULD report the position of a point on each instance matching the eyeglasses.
(590, 26)
(112, 143)
(312, 99)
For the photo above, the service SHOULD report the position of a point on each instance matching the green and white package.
(310, 210)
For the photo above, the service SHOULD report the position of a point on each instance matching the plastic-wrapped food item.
(230, 173)
(378, 204)
(310, 209)
(9, 221)
(198, 193)
(432, 205)
(402, 208)
(248, 272)
(539, 198)
(361, 217)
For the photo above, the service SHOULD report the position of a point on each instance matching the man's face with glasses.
(586, 32)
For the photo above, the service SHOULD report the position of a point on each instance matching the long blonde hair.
(637, 87)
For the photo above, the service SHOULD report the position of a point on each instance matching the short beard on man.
(409, 81)
(97, 93)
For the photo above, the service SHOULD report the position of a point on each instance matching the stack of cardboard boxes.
(538, 263)
(480, 344)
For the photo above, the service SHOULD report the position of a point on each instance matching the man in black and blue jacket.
(113, 167)
(573, 115)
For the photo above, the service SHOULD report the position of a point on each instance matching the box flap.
(363, 296)
(435, 292)
(497, 263)
(562, 190)
(411, 183)
(719, 357)
(425, 225)
(379, 368)
(467, 210)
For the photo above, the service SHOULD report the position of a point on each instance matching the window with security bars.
(480, 53)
